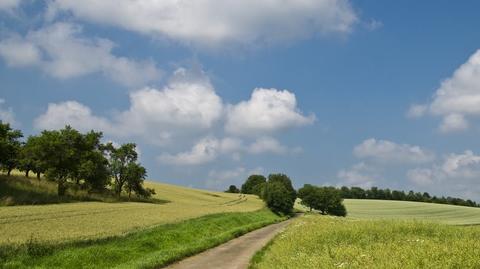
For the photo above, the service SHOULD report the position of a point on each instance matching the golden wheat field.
(92, 220)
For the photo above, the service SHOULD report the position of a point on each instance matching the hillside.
(91, 220)
(381, 209)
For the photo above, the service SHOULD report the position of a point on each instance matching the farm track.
(236, 253)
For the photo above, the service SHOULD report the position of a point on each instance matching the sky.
(330, 92)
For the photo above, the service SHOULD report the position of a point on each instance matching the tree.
(125, 169)
(285, 180)
(134, 178)
(309, 196)
(61, 154)
(232, 189)
(31, 157)
(278, 198)
(254, 185)
(10, 146)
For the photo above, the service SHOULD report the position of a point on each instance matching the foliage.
(254, 185)
(150, 248)
(387, 194)
(232, 189)
(316, 241)
(327, 200)
(10, 146)
(279, 194)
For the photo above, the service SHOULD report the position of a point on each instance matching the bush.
(232, 189)
(278, 198)
(254, 185)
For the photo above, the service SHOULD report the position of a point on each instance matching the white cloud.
(458, 96)
(71, 113)
(267, 145)
(385, 151)
(221, 179)
(267, 111)
(206, 150)
(8, 5)
(359, 175)
(62, 52)
(416, 111)
(188, 102)
(458, 174)
(210, 23)
(453, 123)
(6, 114)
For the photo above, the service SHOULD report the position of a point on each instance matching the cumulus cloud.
(359, 175)
(267, 111)
(385, 151)
(267, 145)
(6, 114)
(61, 51)
(71, 113)
(221, 179)
(457, 97)
(457, 174)
(211, 23)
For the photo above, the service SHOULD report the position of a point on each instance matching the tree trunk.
(61, 187)
(9, 171)
(26, 173)
(38, 175)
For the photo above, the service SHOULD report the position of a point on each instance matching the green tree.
(135, 176)
(254, 185)
(31, 157)
(310, 197)
(10, 146)
(286, 181)
(278, 198)
(124, 168)
(232, 189)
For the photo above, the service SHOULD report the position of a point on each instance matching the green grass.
(315, 241)
(378, 209)
(144, 249)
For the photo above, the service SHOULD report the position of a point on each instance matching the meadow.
(316, 241)
(93, 220)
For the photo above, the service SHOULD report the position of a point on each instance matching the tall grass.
(315, 241)
(144, 249)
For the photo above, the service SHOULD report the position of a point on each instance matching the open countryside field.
(316, 241)
(381, 209)
(93, 220)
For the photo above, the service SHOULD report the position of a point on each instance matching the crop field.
(93, 220)
(315, 241)
(380, 209)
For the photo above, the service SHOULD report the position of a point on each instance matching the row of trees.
(327, 200)
(387, 194)
(75, 160)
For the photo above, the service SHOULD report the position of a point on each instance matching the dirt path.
(235, 254)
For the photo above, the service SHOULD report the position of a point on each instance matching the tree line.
(387, 194)
(279, 195)
(74, 160)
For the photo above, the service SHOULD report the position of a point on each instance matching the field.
(379, 209)
(92, 220)
(149, 248)
(315, 241)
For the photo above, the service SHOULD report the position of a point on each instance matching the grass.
(143, 249)
(93, 220)
(315, 241)
(378, 209)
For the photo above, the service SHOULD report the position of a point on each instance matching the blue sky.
(328, 91)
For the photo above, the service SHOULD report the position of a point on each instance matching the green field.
(379, 234)
(379, 209)
(315, 241)
(92, 220)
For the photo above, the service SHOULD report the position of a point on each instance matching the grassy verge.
(144, 249)
(315, 241)
(19, 190)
